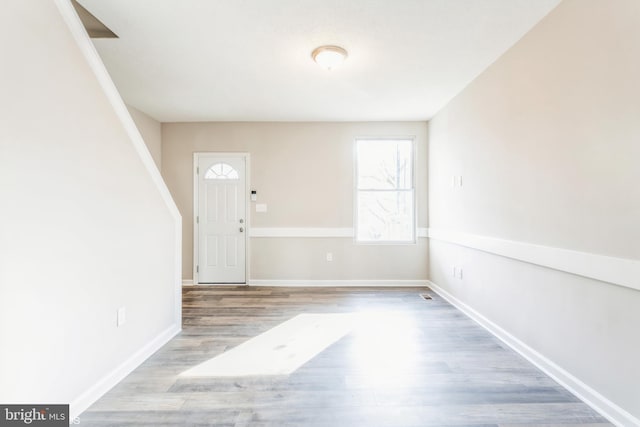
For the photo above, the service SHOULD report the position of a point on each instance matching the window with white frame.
(385, 191)
(221, 171)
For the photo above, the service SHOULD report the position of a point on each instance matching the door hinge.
(197, 269)
(198, 219)
(198, 170)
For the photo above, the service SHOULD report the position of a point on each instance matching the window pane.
(221, 171)
(385, 215)
(384, 164)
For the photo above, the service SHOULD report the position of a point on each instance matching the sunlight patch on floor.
(384, 349)
(281, 350)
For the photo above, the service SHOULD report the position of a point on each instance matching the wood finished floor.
(421, 363)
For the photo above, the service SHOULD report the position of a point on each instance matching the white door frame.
(196, 256)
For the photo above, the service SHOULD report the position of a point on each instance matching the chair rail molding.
(618, 271)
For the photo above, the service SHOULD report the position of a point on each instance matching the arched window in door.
(221, 171)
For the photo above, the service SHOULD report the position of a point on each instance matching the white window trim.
(414, 226)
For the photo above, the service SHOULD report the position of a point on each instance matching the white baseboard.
(331, 283)
(340, 283)
(90, 396)
(591, 397)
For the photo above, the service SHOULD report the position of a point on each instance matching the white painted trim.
(618, 271)
(414, 156)
(96, 65)
(326, 283)
(591, 397)
(247, 173)
(194, 228)
(300, 232)
(311, 232)
(102, 386)
(94, 61)
(247, 219)
(340, 283)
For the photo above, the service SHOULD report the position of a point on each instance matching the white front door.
(221, 219)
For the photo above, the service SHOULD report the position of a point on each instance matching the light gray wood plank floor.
(418, 363)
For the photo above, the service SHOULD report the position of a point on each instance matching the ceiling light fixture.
(329, 57)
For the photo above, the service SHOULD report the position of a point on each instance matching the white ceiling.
(250, 60)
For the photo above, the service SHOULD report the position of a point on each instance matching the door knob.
(241, 229)
(241, 221)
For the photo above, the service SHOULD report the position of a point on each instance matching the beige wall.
(151, 131)
(305, 259)
(546, 140)
(84, 229)
(304, 173)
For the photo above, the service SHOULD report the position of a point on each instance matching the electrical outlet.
(460, 273)
(121, 316)
(455, 271)
(329, 256)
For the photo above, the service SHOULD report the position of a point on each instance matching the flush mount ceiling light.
(329, 57)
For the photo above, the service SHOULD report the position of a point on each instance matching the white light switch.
(261, 207)
(329, 256)
(121, 316)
